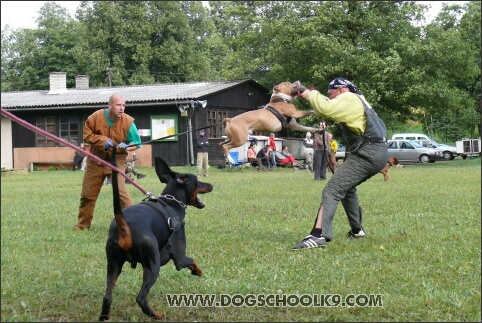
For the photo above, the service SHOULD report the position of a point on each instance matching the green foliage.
(421, 252)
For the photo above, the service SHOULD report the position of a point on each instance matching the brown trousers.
(94, 176)
(332, 162)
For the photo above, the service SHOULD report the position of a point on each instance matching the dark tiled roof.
(95, 96)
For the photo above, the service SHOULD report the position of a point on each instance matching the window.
(48, 125)
(215, 119)
(69, 129)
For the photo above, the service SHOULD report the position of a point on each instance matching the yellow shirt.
(334, 146)
(346, 108)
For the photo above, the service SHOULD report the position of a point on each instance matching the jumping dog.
(278, 114)
(151, 233)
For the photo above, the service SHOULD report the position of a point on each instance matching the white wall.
(6, 133)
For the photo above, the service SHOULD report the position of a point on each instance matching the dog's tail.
(123, 231)
(226, 122)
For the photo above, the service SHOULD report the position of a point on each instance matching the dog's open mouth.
(203, 190)
(200, 204)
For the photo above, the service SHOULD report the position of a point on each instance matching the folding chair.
(237, 165)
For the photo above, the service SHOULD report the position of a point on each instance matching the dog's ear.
(162, 170)
(275, 88)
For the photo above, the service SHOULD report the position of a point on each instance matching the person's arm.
(133, 138)
(318, 139)
(346, 108)
(96, 141)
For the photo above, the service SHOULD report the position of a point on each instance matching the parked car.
(340, 153)
(410, 151)
(450, 152)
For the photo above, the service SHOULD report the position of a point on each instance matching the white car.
(340, 153)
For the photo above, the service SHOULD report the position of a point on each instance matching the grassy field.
(421, 254)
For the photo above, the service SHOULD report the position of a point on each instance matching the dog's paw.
(158, 315)
(195, 270)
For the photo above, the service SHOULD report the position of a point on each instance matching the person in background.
(333, 149)
(322, 153)
(366, 140)
(131, 169)
(272, 145)
(84, 161)
(102, 130)
(202, 154)
(308, 151)
(78, 158)
(255, 160)
(285, 157)
(265, 155)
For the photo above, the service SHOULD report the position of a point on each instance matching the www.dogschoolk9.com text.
(274, 300)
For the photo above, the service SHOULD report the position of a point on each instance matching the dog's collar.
(170, 198)
(280, 100)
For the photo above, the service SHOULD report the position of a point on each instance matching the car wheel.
(448, 155)
(424, 159)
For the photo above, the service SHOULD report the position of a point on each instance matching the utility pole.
(109, 75)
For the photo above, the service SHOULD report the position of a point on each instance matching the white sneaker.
(360, 234)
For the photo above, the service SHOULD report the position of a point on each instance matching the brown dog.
(275, 116)
(391, 161)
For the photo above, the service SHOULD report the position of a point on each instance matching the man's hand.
(108, 144)
(122, 145)
(298, 90)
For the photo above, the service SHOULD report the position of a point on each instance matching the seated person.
(78, 158)
(130, 169)
(253, 159)
(265, 155)
(285, 157)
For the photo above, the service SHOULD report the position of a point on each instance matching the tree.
(143, 42)
(30, 55)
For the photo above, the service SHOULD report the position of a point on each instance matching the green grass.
(421, 252)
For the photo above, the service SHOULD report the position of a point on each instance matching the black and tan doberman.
(152, 233)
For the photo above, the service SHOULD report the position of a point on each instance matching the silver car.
(450, 152)
(410, 151)
(340, 154)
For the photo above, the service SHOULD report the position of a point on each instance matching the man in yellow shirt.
(365, 134)
(334, 148)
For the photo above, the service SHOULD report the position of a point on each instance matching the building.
(176, 109)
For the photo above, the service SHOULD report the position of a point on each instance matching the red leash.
(94, 157)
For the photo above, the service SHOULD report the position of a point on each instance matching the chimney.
(58, 82)
(81, 82)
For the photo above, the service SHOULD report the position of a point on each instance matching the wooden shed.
(158, 109)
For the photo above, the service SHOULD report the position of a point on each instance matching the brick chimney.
(58, 82)
(81, 82)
